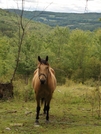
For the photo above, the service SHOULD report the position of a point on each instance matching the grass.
(70, 113)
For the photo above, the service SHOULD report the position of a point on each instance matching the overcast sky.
(78, 6)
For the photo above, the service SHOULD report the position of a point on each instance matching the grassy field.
(74, 110)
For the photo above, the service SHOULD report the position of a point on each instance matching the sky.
(67, 6)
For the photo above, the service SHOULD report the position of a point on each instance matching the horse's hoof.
(47, 122)
(36, 124)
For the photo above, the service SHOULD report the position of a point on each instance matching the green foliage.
(73, 54)
(7, 24)
(57, 41)
(6, 56)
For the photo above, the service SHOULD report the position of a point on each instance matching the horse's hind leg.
(44, 110)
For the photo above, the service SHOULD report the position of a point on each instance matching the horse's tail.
(42, 101)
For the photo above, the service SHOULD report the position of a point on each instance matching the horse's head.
(43, 69)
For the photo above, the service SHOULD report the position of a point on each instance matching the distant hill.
(9, 24)
(84, 21)
(6, 26)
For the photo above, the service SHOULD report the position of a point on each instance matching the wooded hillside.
(84, 21)
(74, 54)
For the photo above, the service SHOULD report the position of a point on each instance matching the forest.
(84, 21)
(74, 54)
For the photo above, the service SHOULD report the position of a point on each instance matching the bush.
(22, 91)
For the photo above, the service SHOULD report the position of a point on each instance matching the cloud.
(54, 5)
(94, 6)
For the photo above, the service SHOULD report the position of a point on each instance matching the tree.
(28, 57)
(78, 53)
(57, 41)
(19, 40)
(6, 56)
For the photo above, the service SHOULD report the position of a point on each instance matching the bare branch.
(21, 34)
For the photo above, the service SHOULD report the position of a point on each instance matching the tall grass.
(23, 91)
(73, 110)
(70, 93)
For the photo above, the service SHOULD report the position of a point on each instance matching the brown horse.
(44, 84)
